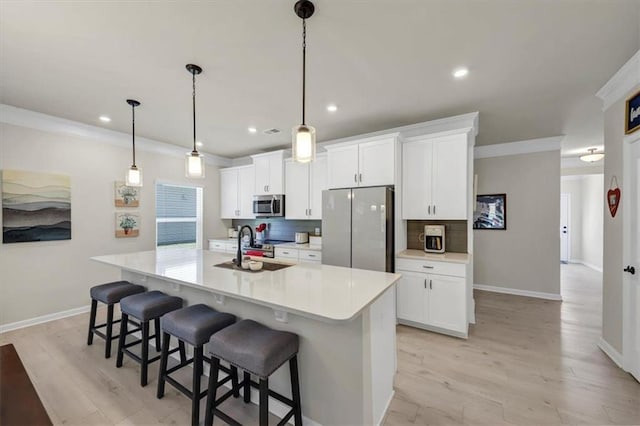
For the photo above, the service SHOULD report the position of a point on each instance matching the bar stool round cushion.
(110, 293)
(196, 323)
(149, 305)
(254, 347)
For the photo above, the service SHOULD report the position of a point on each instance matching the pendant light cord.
(304, 65)
(194, 113)
(133, 133)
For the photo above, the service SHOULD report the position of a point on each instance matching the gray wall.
(612, 278)
(42, 278)
(527, 255)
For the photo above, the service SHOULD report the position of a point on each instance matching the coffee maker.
(434, 238)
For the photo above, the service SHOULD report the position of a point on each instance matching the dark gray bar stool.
(109, 294)
(193, 325)
(144, 307)
(258, 350)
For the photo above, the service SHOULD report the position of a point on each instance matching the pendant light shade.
(592, 156)
(134, 174)
(304, 136)
(194, 163)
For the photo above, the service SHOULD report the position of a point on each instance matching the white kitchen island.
(345, 319)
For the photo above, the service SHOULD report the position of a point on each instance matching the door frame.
(628, 328)
(568, 197)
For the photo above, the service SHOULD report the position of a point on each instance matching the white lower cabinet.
(298, 255)
(432, 301)
(223, 246)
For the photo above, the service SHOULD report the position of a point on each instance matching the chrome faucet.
(240, 235)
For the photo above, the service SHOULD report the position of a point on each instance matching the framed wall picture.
(126, 196)
(491, 212)
(127, 224)
(632, 114)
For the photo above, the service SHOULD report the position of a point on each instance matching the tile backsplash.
(281, 229)
(455, 234)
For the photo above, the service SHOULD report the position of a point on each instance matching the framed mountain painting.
(35, 206)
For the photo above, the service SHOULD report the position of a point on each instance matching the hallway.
(527, 361)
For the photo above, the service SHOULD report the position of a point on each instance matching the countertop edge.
(465, 258)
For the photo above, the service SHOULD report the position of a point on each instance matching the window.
(178, 216)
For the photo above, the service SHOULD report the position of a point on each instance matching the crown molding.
(49, 123)
(621, 83)
(520, 147)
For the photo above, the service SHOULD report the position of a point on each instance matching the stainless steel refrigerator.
(357, 228)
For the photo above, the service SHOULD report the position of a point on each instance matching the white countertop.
(439, 257)
(304, 246)
(323, 292)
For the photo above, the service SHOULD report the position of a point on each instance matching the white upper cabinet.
(304, 184)
(236, 192)
(434, 178)
(369, 163)
(269, 173)
(343, 166)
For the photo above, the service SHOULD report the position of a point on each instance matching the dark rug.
(19, 402)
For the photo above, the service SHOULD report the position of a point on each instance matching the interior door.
(565, 206)
(296, 190)
(631, 346)
(412, 296)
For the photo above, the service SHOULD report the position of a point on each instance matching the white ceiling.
(535, 66)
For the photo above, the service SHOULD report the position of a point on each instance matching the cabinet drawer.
(286, 252)
(216, 245)
(431, 267)
(231, 247)
(310, 255)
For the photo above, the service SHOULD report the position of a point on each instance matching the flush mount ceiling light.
(134, 174)
(592, 156)
(460, 72)
(303, 136)
(194, 165)
(104, 119)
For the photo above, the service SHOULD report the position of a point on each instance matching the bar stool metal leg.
(107, 348)
(295, 390)
(264, 402)
(163, 363)
(144, 353)
(92, 320)
(121, 341)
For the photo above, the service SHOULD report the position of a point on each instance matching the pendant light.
(304, 136)
(194, 165)
(134, 174)
(592, 156)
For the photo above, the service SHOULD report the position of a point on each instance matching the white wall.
(41, 278)
(525, 257)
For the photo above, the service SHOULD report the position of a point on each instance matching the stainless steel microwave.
(268, 205)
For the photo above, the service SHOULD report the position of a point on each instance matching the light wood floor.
(527, 361)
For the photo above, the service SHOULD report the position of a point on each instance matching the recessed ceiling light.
(199, 143)
(105, 119)
(252, 130)
(332, 108)
(460, 72)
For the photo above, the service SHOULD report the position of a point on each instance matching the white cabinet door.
(276, 174)
(262, 175)
(412, 297)
(229, 193)
(343, 167)
(376, 163)
(296, 190)
(450, 178)
(317, 184)
(417, 158)
(446, 307)
(246, 190)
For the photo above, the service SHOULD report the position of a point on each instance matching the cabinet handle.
(429, 209)
(425, 283)
(355, 177)
(312, 255)
(434, 209)
(309, 212)
(427, 267)
(430, 285)
(285, 252)
(360, 177)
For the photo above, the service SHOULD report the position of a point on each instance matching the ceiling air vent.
(271, 131)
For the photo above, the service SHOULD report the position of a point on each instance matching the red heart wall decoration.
(613, 200)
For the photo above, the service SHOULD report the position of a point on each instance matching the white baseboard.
(587, 264)
(615, 356)
(386, 408)
(518, 292)
(45, 318)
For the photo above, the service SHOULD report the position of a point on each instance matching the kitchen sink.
(266, 266)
